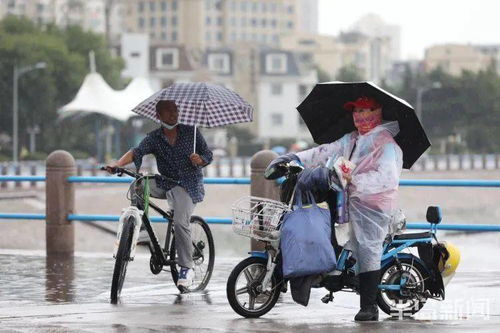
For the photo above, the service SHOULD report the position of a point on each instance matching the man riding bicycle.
(172, 146)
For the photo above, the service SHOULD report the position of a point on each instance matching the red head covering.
(363, 102)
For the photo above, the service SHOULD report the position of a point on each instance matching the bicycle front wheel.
(122, 259)
(203, 251)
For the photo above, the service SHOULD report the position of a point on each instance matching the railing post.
(17, 171)
(60, 201)
(261, 187)
(4, 173)
(33, 173)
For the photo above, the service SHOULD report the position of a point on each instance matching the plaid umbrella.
(200, 104)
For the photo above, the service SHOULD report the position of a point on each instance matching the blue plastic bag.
(305, 240)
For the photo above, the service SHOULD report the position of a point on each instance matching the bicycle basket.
(258, 218)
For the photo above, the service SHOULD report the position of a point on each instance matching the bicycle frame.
(154, 246)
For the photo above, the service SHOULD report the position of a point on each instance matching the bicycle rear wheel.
(203, 250)
(122, 259)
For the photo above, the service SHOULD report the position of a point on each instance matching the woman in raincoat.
(372, 189)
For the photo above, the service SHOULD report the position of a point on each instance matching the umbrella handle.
(194, 140)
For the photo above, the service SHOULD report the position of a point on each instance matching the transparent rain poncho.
(373, 192)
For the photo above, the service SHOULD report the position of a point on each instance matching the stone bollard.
(60, 201)
(261, 187)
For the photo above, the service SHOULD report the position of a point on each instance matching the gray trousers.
(182, 204)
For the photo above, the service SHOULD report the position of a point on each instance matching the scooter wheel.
(409, 301)
(244, 288)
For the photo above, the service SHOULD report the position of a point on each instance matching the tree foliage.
(467, 105)
(43, 91)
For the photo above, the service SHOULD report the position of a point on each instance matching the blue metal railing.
(226, 220)
(246, 181)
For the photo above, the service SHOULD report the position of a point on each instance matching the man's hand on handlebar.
(110, 168)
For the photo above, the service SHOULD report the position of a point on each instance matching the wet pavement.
(62, 295)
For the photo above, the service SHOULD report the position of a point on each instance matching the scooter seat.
(417, 235)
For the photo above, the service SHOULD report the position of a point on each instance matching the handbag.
(305, 239)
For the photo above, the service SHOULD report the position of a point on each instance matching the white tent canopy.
(96, 96)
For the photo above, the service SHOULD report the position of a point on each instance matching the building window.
(219, 21)
(243, 6)
(140, 6)
(276, 119)
(254, 22)
(152, 6)
(233, 21)
(135, 54)
(167, 58)
(290, 25)
(174, 21)
(273, 23)
(208, 36)
(254, 7)
(141, 22)
(164, 35)
(164, 6)
(290, 9)
(152, 21)
(174, 36)
(276, 89)
(163, 21)
(219, 63)
(263, 23)
(174, 5)
(276, 63)
(219, 36)
(209, 20)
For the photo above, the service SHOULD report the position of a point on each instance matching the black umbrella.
(327, 120)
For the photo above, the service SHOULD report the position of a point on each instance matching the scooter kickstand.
(327, 298)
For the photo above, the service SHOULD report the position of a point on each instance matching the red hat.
(362, 102)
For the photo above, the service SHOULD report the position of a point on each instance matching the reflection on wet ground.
(60, 294)
(36, 280)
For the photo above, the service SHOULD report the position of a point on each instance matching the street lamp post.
(15, 120)
(420, 93)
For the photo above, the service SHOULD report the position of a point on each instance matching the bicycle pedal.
(327, 298)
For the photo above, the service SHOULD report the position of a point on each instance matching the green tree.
(42, 92)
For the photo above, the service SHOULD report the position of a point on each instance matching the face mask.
(366, 121)
(170, 127)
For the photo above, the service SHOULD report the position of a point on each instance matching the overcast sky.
(423, 22)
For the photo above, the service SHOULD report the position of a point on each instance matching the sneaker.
(186, 277)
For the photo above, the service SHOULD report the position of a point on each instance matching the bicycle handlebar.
(120, 171)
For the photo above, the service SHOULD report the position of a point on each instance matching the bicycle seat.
(417, 235)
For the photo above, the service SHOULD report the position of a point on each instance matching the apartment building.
(89, 14)
(212, 23)
(455, 58)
